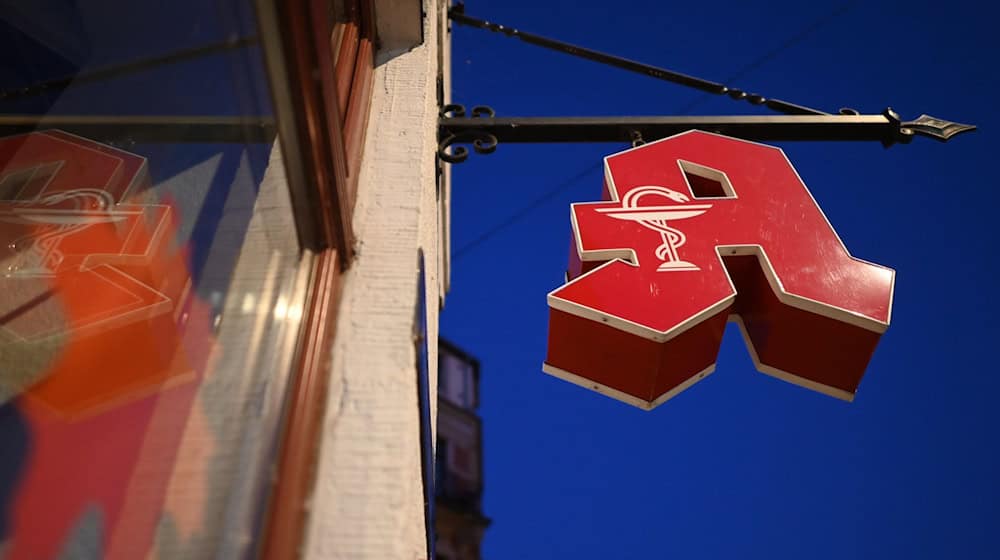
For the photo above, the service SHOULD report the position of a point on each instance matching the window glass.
(452, 370)
(456, 379)
(151, 281)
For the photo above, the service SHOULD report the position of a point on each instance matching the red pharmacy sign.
(698, 229)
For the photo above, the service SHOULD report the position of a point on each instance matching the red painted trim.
(296, 466)
(357, 113)
(332, 114)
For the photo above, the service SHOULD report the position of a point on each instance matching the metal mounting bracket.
(484, 131)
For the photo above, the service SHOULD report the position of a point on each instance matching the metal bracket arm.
(483, 130)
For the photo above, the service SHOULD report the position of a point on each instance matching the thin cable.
(773, 53)
(559, 188)
(524, 211)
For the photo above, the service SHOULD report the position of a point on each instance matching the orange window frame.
(324, 50)
(344, 42)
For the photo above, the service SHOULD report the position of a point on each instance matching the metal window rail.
(123, 131)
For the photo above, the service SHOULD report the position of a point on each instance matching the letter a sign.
(697, 229)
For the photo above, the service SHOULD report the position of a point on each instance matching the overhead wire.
(562, 186)
(763, 59)
(525, 210)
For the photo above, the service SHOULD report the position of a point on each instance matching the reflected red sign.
(697, 229)
(86, 271)
(101, 340)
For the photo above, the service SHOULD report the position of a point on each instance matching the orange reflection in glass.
(103, 338)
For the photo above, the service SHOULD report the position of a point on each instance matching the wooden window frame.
(345, 47)
(321, 64)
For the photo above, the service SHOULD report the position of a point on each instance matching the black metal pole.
(484, 131)
(144, 128)
(458, 15)
(624, 129)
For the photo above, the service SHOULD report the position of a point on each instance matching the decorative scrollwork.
(452, 110)
(483, 110)
(457, 111)
(482, 142)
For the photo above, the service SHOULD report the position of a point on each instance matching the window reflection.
(151, 281)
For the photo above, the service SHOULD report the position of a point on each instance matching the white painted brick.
(368, 498)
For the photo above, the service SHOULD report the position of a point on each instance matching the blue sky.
(742, 465)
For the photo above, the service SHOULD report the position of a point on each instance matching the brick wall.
(368, 499)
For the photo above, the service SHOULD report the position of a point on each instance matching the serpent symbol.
(657, 218)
